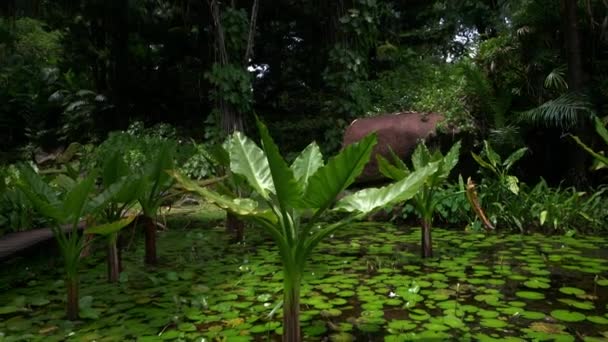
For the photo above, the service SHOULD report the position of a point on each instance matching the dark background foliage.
(517, 72)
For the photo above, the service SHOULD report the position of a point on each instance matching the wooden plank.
(13, 243)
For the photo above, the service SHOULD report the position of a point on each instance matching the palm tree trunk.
(291, 307)
(73, 307)
(150, 233)
(426, 241)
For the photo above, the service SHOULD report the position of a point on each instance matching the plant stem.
(291, 306)
(72, 299)
(113, 261)
(150, 232)
(235, 226)
(426, 242)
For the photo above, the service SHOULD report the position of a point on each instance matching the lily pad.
(597, 319)
(567, 316)
(572, 291)
(530, 295)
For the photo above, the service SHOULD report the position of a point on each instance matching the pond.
(366, 284)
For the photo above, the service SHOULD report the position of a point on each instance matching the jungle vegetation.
(179, 152)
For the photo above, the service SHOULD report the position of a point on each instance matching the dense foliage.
(113, 112)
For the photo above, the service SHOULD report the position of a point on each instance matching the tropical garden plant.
(290, 200)
(426, 200)
(127, 186)
(499, 189)
(155, 184)
(66, 209)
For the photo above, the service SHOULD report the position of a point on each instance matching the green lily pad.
(537, 284)
(567, 316)
(401, 325)
(530, 295)
(493, 323)
(186, 327)
(572, 291)
(535, 315)
(8, 309)
(597, 319)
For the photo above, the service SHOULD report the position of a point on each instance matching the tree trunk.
(150, 232)
(426, 241)
(291, 308)
(235, 226)
(114, 265)
(577, 172)
(73, 307)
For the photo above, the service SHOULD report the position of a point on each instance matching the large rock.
(400, 131)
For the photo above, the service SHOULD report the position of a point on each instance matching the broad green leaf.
(367, 200)
(109, 228)
(421, 156)
(239, 206)
(64, 182)
(390, 171)
(129, 188)
(307, 163)
(543, 217)
(482, 162)
(156, 180)
(248, 160)
(397, 161)
(124, 191)
(37, 185)
(492, 156)
(50, 210)
(286, 187)
(514, 157)
(75, 201)
(512, 184)
(339, 172)
(448, 162)
(114, 168)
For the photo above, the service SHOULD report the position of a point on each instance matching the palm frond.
(556, 79)
(564, 112)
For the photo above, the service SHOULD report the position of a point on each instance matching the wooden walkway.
(14, 243)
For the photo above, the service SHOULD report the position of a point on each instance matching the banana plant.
(290, 200)
(66, 209)
(601, 159)
(155, 183)
(426, 200)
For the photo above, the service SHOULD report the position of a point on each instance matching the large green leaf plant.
(426, 200)
(155, 185)
(289, 200)
(67, 206)
(126, 187)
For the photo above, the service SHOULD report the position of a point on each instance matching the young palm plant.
(291, 199)
(66, 210)
(426, 200)
(126, 186)
(155, 182)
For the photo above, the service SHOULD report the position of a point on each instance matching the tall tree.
(230, 75)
